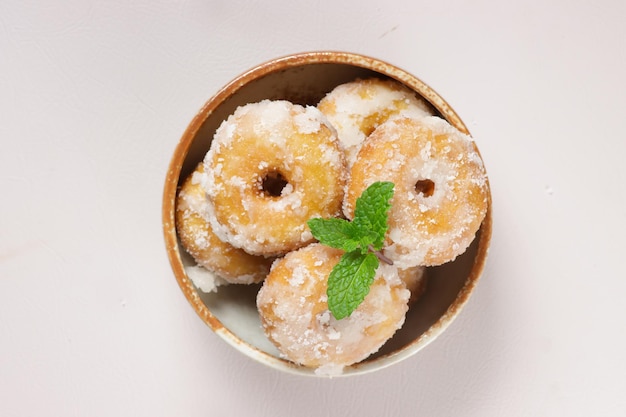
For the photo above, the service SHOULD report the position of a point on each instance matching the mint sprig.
(362, 239)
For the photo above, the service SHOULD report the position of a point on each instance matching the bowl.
(231, 311)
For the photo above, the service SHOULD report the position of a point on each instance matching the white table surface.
(93, 99)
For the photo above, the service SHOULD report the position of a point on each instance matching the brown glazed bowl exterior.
(231, 312)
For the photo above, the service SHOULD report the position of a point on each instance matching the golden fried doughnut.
(294, 312)
(415, 279)
(272, 166)
(356, 108)
(441, 191)
(196, 236)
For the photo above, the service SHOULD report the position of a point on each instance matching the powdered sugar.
(358, 107)
(308, 121)
(205, 280)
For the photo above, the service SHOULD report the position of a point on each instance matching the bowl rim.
(180, 154)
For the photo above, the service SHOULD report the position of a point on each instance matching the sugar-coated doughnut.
(194, 231)
(294, 312)
(272, 166)
(441, 190)
(356, 108)
(415, 279)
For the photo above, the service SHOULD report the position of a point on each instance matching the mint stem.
(380, 255)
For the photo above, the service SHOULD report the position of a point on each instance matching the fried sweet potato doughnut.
(272, 166)
(194, 231)
(441, 190)
(356, 108)
(294, 312)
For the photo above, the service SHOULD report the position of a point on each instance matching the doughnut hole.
(273, 183)
(425, 187)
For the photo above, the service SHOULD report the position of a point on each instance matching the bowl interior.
(231, 312)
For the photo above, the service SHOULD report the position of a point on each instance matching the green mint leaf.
(350, 281)
(362, 239)
(370, 213)
(336, 233)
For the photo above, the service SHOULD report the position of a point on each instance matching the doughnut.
(356, 108)
(293, 307)
(194, 231)
(415, 280)
(441, 189)
(272, 166)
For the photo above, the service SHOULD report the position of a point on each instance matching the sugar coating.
(415, 279)
(197, 237)
(423, 229)
(205, 280)
(356, 108)
(294, 312)
(263, 139)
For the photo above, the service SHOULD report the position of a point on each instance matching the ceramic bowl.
(231, 311)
